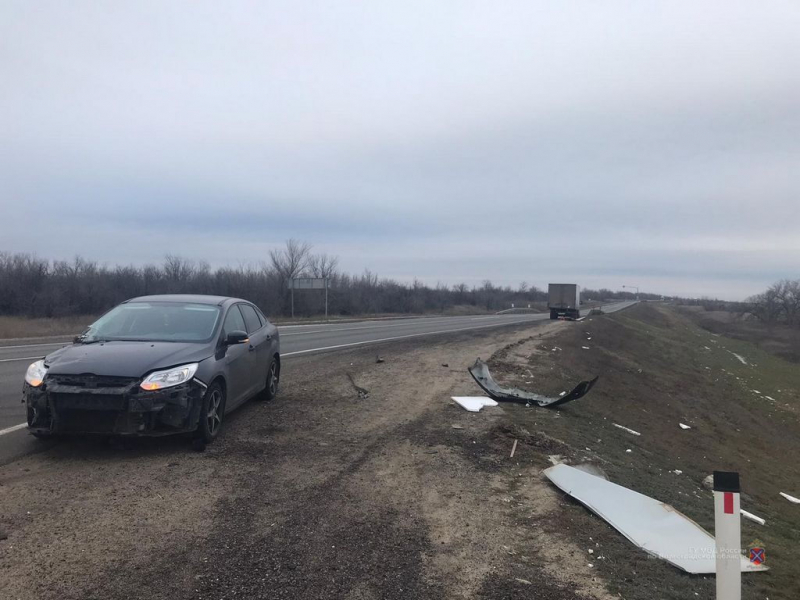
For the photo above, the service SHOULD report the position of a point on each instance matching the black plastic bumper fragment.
(57, 408)
(480, 372)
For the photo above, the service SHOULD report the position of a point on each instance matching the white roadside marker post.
(728, 534)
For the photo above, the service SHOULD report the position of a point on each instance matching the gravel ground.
(319, 494)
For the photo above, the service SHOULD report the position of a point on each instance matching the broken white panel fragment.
(684, 426)
(585, 347)
(791, 499)
(740, 357)
(752, 517)
(655, 527)
(474, 403)
(626, 429)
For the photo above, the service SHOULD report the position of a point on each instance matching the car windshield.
(155, 322)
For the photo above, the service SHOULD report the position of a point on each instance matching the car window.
(261, 316)
(233, 321)
(250, 318)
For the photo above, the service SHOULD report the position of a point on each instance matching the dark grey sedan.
(156, 365)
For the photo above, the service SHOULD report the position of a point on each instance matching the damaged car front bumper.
(88, 404)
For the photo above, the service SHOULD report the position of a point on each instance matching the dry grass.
(776, 338)
(21, 327)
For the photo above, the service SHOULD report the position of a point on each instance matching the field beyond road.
(325, 493)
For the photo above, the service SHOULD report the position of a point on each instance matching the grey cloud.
(449, 141)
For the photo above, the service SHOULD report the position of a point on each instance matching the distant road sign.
(308, 283)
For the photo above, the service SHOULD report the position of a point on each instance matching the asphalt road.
(295, 340)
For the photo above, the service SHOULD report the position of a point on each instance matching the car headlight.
(164, 379)
(35, 374)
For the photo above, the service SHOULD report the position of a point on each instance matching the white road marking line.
(2, 360)
(14, 428)
(381, 326)
(398, 337)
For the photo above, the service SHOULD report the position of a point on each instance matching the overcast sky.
(641, 143)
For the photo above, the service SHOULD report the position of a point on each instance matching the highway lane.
(295, 340)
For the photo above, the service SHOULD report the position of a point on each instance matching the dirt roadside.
(320, 494)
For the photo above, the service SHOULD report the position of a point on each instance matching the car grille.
(91, 381)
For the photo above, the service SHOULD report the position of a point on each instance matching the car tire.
(212, 412)
(270, 390)
(273, 379)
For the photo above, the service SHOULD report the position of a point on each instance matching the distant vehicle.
(564, 300)
(156, 365)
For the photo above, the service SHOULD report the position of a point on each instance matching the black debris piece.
(480, 372)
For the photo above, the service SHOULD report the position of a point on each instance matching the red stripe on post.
(728, 498)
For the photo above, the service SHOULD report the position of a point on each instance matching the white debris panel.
(791, 499)
(631, 431)
(655, 527)
(474, 403)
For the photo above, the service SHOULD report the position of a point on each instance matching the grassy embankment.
(658, 368)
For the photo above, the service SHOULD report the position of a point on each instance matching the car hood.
(124, 359)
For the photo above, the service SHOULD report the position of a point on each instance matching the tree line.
(780, 303)
(35, 287)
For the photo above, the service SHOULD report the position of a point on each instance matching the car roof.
(193, 298)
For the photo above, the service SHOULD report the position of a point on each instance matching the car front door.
(239, 360)
(260, 342)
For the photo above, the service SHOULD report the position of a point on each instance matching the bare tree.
(323, 265)
(290, 261)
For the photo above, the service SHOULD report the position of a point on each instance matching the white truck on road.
(564, 301)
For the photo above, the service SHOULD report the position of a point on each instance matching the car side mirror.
(236, 337)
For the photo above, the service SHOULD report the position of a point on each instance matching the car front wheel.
(211, 413)
(273, 379)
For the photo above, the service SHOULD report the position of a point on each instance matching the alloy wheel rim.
(273, 380)
(214, 418)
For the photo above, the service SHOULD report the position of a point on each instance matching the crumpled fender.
(480, 373)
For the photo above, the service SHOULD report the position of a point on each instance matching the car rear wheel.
(211, 413)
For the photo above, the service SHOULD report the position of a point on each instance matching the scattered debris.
(379, 359)
(555, 459)
(678, 472)
(513, 449)
(752, 517)
(362, 392)
(3, 534)
(456, 426)
(585, 347)
(480, 372)
(684, 426)
(474, 403)
(708, 482)
(791, 499)
(525, 581)
(626, 429)
(740, 357)
(628, 450)
(655, 527)
(445, 365)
